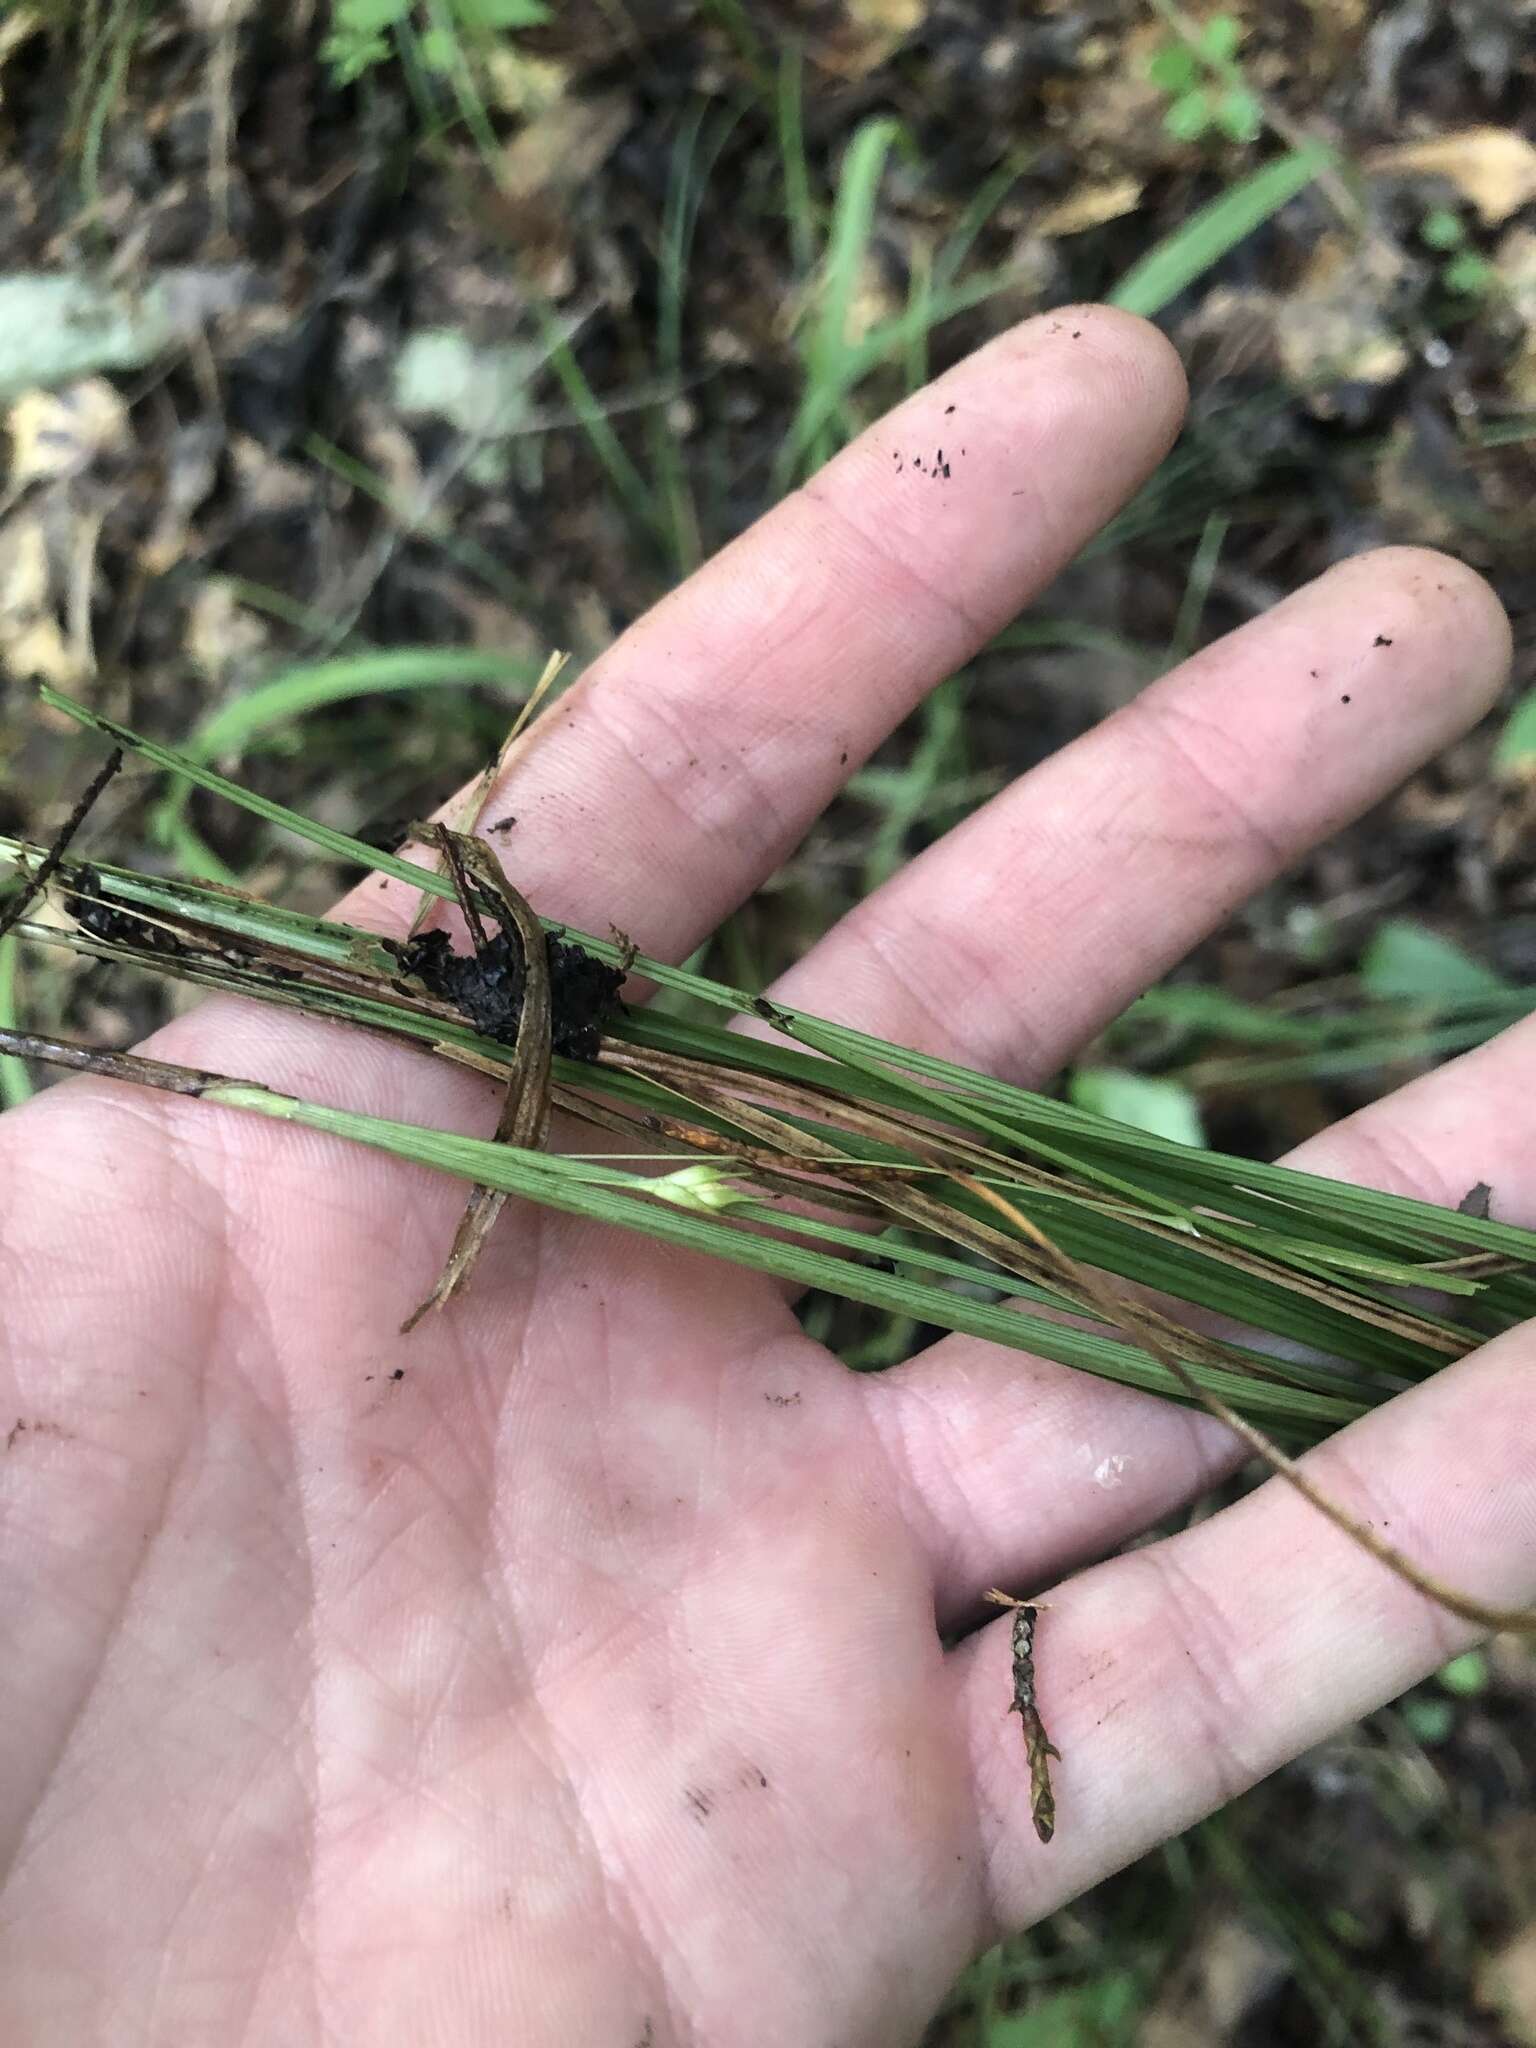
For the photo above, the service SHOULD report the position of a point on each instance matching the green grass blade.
(799, 209)
(1505, 433)
(417, 521)
(1514, 752)
(979, 209)
(694, 156)
(630, 486)
(1207, 236)
(1399, 1049)
(937, 756)
(574, 1187)
(827, 351)
(296, 692)
(1051, 633)
(1197, 588)
(15, 1082)
(870, 1069)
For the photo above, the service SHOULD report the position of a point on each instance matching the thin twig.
(52, 859)
(1038, 1746)
(110, 1066)
(1515, 1620)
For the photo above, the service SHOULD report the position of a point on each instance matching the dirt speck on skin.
(699, 1803)
(22, 1427)
(1381, 640)
(782, 1400)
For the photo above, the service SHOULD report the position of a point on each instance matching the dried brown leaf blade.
(524, 1119)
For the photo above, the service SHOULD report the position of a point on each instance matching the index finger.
(694, 754)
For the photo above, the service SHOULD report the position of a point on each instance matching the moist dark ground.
(264, 495)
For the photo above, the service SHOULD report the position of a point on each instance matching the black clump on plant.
(487, 986)
(112, 925)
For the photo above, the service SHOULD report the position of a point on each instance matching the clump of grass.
(367, 33)
(891, 1175)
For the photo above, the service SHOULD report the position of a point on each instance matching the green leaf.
(1104, 2009)
(439, 50)
(1189, 116)
(1442, 229)
(1515, 749)
(347, 57)
(367, 17)
(1220, 37)
(1239, 115)
(1173, 68)
(1207, 236)
(55, 328)
(1466, 1676)
(1469, 274)
(1429, 1721)
(1408, 959)
(500, 14)
(1166, 1108)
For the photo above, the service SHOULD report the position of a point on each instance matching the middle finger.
(1024, 931)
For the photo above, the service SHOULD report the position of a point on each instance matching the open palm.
(573, 1671)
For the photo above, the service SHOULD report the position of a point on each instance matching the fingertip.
(1428, 593)
(1148, 356)
(1112, 368)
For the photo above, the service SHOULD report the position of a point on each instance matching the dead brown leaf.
(1493, 168)
(59, 433)
(1334, 327)
(1515, 263)
(1089, 206)
(564, 146)
(32, 640)
(867, 33)
(1506, 1984)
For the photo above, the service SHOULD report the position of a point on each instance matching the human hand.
(586, 1685)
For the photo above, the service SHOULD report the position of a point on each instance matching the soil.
(487, 986)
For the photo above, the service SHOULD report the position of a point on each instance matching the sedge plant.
(1287, 1304)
